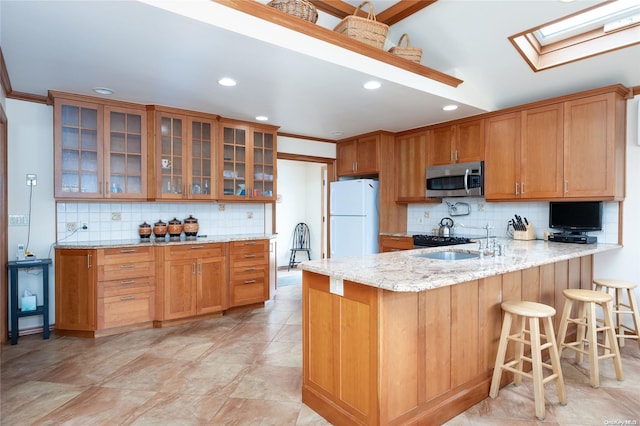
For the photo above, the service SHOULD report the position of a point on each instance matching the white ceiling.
(173, 52)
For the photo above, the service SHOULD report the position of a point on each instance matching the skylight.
(600, 29)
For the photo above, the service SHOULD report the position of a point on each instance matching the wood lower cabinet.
(249, 270)
(377, 357)
(194, 280)
(104, 291)
(393, 243)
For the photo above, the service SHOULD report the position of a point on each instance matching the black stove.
(437, 241)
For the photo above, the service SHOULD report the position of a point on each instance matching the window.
(609, 26)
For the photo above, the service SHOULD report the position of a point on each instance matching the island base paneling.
(378, 357)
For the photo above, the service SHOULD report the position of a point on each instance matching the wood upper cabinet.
(247, 166)
(502, 154)
(411, 167)
(458, 143)
(541, 170)
(194, 280)
(359, 156)
(594, 147)
(185, 155)
(100, 150)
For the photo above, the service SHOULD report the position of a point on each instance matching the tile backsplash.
(425, 218)
(120, 221)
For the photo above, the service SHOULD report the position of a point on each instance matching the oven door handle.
(466, 181)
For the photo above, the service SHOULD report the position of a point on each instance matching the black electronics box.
(573, 238)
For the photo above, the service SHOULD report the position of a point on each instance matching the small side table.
(14, 267)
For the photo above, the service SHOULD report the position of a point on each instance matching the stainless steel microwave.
(456, 180)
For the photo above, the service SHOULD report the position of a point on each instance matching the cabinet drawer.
(244, 294)
(249, 259)
(125, 255)
(194, 251)
(247, 275)
(125, 287)
(389, 243)
(126, 270)
(120, 311)
(248, 247)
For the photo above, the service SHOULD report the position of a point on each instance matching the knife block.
(529, 234)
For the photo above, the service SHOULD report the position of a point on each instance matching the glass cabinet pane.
(263, 164)
(171, 155)
(201, 158)
(79, 145)
(125, 153)
(234, 161)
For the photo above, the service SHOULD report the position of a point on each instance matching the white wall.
(30, 150)
(311, 148)
(299, 200)
(623, 264)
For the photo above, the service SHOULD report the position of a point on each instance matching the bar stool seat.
(617, 288)
(521, 311)
(587, 331)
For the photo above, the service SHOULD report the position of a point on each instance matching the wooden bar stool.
(618, 288)
(588, 329)
(534, 312)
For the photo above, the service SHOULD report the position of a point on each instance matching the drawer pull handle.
(394, 239)
(128, 251)
(249, 255)
(249, 269)
(250, 281)
(127, 266)
(196, 247)
(250, 243)
(127, 298)
(127, 282)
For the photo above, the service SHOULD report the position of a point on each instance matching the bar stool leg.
(592, 338)
(564, 324)
(555, 360)
(536, 361)
(617, 363)
(633, 303)
(519, 349)
(581, 332)
(502, 352)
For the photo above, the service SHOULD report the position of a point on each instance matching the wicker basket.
(300, 8)
(366, 30)
(411, 53)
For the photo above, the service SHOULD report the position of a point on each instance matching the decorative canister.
(144, 230)
(174, 228)
(191, 226)
(160, 229)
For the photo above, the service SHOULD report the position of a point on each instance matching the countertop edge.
(162, 243)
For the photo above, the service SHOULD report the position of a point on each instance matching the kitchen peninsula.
(396, 338)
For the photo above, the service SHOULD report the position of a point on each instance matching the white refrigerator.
(353, 217)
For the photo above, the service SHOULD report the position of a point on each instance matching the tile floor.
(241, 369)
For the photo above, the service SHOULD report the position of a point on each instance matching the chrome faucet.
(489, 247)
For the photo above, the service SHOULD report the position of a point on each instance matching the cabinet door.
(440, 146)
(264, 165)
(541, 174)
(75, 289)
(201, 158)
(368, 154)
(125, 153)
(78, 149)
(171, 151)
(502, 155)
(589, 137)
(180, 288)
(411, 167)
(212, 284)
(346, 153)
(233, 184)
(469, 144)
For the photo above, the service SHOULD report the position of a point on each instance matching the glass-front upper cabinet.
(248, 161)
(78, 150)
(172, 134)
(100, 150)
(202, 158)
(125, 154)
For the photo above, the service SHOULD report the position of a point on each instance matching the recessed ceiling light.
(103, 91)
(450, 107)
(372, 85)
(262, 118)
(337, 133)
(226, 81)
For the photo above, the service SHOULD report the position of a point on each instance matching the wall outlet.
(249, 215)
(420, 221)
(84, 227)
(72, 226)
(220, 207)
(480, 207)
(116, 216)
(426, 215)
(32, 179)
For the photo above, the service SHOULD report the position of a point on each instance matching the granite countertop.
(205, 239)
(403, 271)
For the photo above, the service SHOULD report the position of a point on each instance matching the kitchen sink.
(449, 255)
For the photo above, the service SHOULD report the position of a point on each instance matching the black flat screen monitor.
(576, 217)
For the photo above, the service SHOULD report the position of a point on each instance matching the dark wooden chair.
(301, 242)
